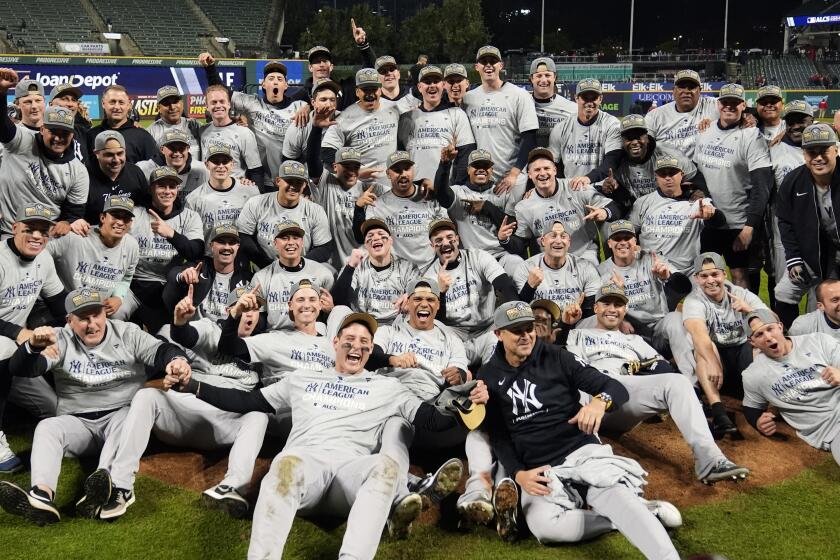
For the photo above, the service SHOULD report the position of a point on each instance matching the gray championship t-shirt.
(425, 133)
(156, 251)
(581, 147)
(550, 113)
(725, 325)
(22, 281)
(373, 134)
(679, 130)
(192, 176)
(607, 350)
(87, 261)
(158, 128)
(276, 288)
(814, 322)
(408, 220)
(219, 207)
(281, 352)
(477, 231)
(645, 291)
(792, 384)
(375, 291)
(785, 158)
(564, 285)
(640, 179)
(211, 367)
(239, 140)
(498, 118)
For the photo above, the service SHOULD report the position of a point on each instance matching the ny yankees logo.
(524, 397)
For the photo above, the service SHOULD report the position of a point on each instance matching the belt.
(95, 415)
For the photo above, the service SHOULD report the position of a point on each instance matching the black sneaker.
(116, 506)
(722, 426)
(226, 498)
(97, 493)
(725, 470)
(435, 487)
(34, 506)
(506, 502)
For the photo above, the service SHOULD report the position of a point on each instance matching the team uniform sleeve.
(489, 267)
(523, 225)
(52, 283)
(612, 136)
(247, 220)
(321, 234)
(262, 347)
(520, 275)
(573, 344)
(77, 194)
(278, 395)
(753, 395)
(589, 278)
(693, 309)
(335, 137)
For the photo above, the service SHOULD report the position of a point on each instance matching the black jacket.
(530, 406)
(799, 220)
(175, 290)
(130, 182)
(139, 144)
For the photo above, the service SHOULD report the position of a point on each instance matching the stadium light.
(632, 12)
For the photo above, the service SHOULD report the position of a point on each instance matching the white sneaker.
(9, 462)
(226, 498)
(666, 512)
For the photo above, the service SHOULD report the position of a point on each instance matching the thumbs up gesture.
(610, 185)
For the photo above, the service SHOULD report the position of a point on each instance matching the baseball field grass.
(796, 518)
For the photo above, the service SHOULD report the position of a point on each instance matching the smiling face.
(769, 109)
(431, 88)
(489, 68)
(305, 306)
(821, 161)
(795, 124)
(88, 325)
(368, 97)
(556, 241)
(112, 158)
(378, 243)
(456, 87)
(289, 190)
(218, 105)
(588, 102)
(402, 177)
(610, 312)
(769, 338)
(422, 309)
(635, 143)
(686, 95)
(115, 104)
(347, 173)
(220, 167)
(353, 346)
(389, 76)
(115, 224)
(543, 172)
(543, 83)
(445, 243)
(828, 299)
(480, 173)
(57, 140)
(290, 248)
(518, 341)
(623, 245)
(176, 154)
(224, 249)
(730, 110)
(320, 66)
(164, 193)
(170, 109)
(31, 237)
(712, 283)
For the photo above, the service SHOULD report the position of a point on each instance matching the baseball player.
(274, 282)
(111, 175)
(175, 152)
(805, 211)
(502, 117)
(769, 102)
(100, 365)
(139, 144)
(324, 101)
(370, 125)
(40, 167)
(552, 108)
(338, 191)
(570, 282)
(213, 277)
(220, 200)
(104, 259)
(260, 213)
(475, 207)
(182, 419)
(468, 280)
(555, 200)
(328, 464)
(456, 83)
(547, 442)
(403, 209)
(434, 125)
(281, 351)
(826, 318)
(669, 221)
(736, 164)
(68, 96)
(171, 117)
(26, 273)
(799, 376)
(222, 131)
(165, 230)
(677, 123)
(645, 375)
(269, 116)
(589, 145)
(377, 282)
(389, 76)
(29, 99)
(652, 288)
(713, 316)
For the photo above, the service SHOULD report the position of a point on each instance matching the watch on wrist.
(606, 398)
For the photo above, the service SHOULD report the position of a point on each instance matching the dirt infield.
(658, 447)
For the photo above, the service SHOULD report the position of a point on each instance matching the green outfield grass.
(794, 519)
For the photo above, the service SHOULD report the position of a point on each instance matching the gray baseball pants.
(316, 482)
(612, 507)
(669, 332)
(73, 436)
(183, 419)
(835, 449)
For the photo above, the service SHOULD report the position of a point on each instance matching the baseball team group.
(363, 270)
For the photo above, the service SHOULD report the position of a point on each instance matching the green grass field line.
(794, 519)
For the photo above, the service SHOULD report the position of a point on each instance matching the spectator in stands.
(414, 72)
(69, 96)
(171, 115)
(823, 106)
(29, 99)
(111, 175)
(139, 144)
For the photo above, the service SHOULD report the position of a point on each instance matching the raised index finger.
(190, 292)
(199, 266)
(353, 25)
(255, 289)
(154, 214)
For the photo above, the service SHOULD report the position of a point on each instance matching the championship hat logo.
(520, 311)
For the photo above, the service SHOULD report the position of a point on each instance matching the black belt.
(95, 415)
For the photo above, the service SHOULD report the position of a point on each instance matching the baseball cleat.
(475, 508)
(505, 504)
(436, 487)
(723, 426)
(725, 470)
(226, 498)
(404, 514)
(9, 462)
(97, 493)
(34, 506)
(665, 512)
(116, 506)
